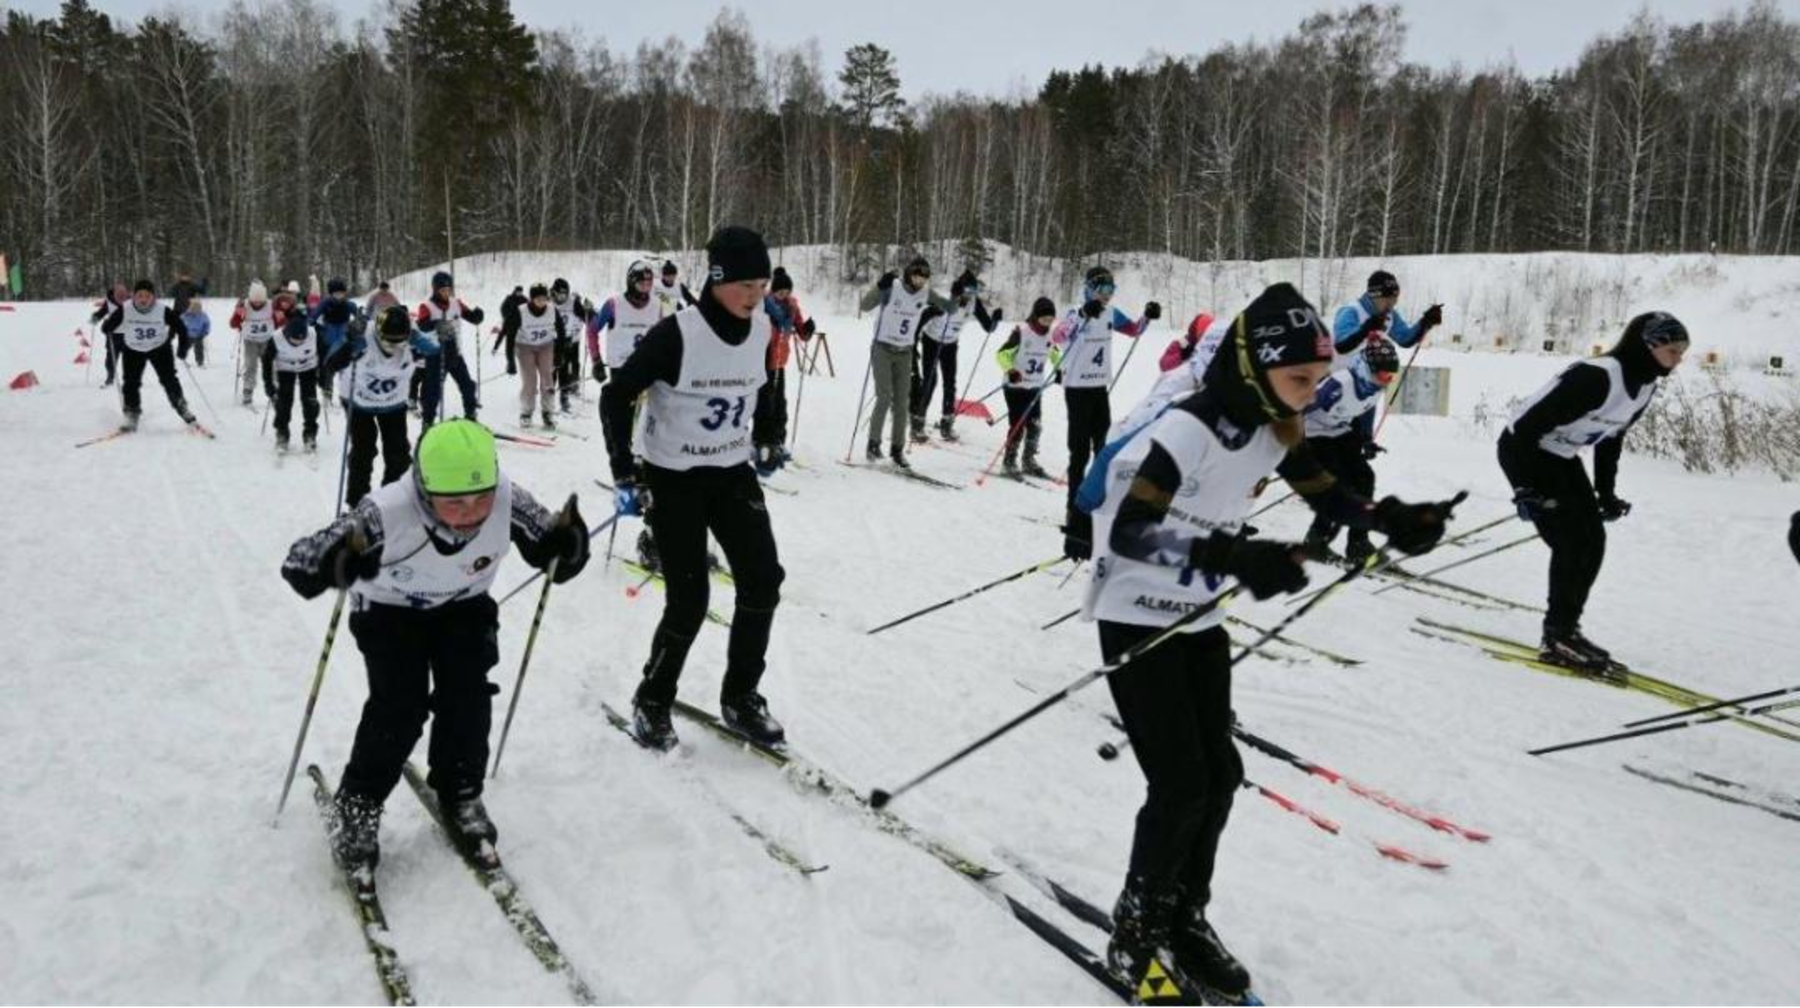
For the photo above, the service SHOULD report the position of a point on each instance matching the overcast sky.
(995, 48)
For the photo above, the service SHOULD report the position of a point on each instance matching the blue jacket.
(1351, 317)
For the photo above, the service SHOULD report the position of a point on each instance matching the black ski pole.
(528, 582)
(1657, 729)
(880, 798)
(1064, 618)
(1465, 560)
(537, 620)
(1283, 499)
(356, 544)
(1459, 537)
(997, 582)
(1715, 705)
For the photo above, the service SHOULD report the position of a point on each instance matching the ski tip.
(879, 799)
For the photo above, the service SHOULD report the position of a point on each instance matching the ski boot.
(1010, 464)
(873, 451)
(651, 726)
(1317, 545)
(1033, 469)
(946, 431)
(748, 715)
(248, 400)
(919, 435)
(1567, 647)
(648, 557)
(470, 827)
(549, 418)
(281, 441)
(130, 423)
(309, 440)
(1358, 549)
(186, 415)
(1139, 956)
(524, 419)
(1203, 958)
(765, 462)
(354, 831)
(898, 454)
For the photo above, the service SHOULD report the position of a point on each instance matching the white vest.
(1087, 360)
(566, 309)
(535, 330)
(292, 358)
(449, 320)
(380, 381)
(704, 419)
(668, 295)
(946, 328)
(1613, 416)
(1178, 382)
(1337, 419)
(1031, 358)
(898, 321)
(414, 575)
(258, 325)
(1215, 495)
(144, 331)
(630, 323)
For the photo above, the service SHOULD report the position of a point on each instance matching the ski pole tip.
(879, 798)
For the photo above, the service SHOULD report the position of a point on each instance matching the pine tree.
(871, 87)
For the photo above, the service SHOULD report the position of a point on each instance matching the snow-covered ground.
(159, 666)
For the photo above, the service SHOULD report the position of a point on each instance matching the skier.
(939, 340)
(1167, 538)
(296, 353)
(572, 310)
(1340, 431)
(1590, 403)
(1085, 335)
(199, 326)
(905, 309)
(629, 317)
(372, 382)
(531, 331)
(671, 292)
(109, 302)
(380, 301)
(1374, 316)
(255, 318)
(336, 315)
(419, 557)
(787, 322)
(442, 316)
(145, 326)
(184, 294)
(1030, 362)
(698, 372)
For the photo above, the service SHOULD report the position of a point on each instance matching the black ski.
(498, 882)
(360, 885)
(916, 477)
(1721, 789)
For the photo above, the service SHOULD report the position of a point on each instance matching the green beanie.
(457, 457)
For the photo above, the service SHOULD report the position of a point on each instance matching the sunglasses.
(1104, 287)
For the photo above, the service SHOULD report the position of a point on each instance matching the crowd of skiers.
(694, 416)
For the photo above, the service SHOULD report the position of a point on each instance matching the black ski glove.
(1414, 528)
(1263, 568)
(567, 541)
(1612, 508)
(599, 371)
(1153, 311)
(1373, 324)
(1533, 506)
(1370, 449)
(1092, 309)
(996, 316)
(1013, 377)
(1432, 318)
(887, 280)
(807, 330)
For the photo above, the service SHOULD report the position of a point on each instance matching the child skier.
(905, 309)
(787, 322)
(1340, 431)
(573, 310)
(625, 318)
(199, 326)
(442, 316)
(531, 331)
(297, 353)
(255, 318)
(373, 376)
(145, 328)
(1030, 361)
(939, 341)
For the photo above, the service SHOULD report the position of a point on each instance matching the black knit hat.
(1281, 328)
(781, 281)
(396, 322)
(144, 285)
(336, 284)
(1041, 307)
(1383, 284)
(538, 290)
(918, 265)
(669, 267)
(736, 253)
(559, 286)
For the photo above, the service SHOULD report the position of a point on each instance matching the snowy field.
(159, 666)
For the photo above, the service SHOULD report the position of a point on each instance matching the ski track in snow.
(160, 666)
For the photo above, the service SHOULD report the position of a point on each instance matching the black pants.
(1573, 529)
(115, 346)
(1342, 457)
(684, 506)
(940, 358)
(396, 453)
(1022, 405)
(450, 362)
(771, 422)
(198, 346)
(568, 369)
(1090, 414)
(425, 662)
(162, 359)
(1175, 702)
(309, 401)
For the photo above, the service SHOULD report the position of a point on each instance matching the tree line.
(274, 141)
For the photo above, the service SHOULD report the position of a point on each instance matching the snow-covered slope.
(159, 666)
